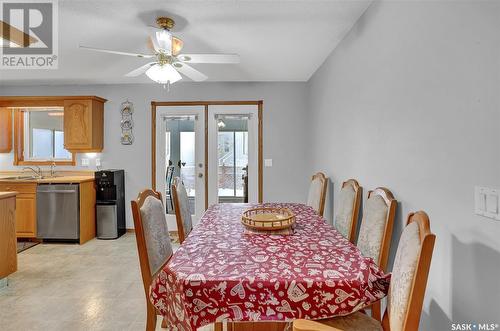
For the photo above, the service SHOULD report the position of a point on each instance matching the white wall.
(283, 126)
(410, 100)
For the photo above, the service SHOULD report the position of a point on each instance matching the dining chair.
(181, 207)
(153, 243)
(317, 192)
(346, 217)
(375, 232)
(406, 291)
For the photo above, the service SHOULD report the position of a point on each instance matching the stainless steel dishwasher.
(58, 211)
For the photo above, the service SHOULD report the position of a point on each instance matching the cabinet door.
(26, 215)
(77, 124)
(5, 130)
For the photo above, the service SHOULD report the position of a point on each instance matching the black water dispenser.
(110, 203)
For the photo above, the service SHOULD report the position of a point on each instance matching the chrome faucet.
(37, 172)
(53, 169)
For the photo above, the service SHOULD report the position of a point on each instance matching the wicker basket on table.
(268, 219)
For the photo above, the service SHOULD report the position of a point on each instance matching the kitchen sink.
(19, 178)
(26, 177)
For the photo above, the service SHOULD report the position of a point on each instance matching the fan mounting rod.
(165, 22)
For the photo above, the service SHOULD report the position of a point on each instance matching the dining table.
(222, 272)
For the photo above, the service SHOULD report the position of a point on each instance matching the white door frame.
(253, 148)
(162, 112)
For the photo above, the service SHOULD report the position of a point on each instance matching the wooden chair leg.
(376, 311)
(164, 323)
(151, 318)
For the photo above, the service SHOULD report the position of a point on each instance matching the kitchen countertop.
(57, 179)
(5, 195)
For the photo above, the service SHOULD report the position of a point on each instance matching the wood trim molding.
(19, 145)
(153, 145)
(259, 103)
(42, 101)
(5, 130)
(261, 152)
(206, 157)
(202, 103)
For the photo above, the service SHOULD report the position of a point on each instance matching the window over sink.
(39, 136)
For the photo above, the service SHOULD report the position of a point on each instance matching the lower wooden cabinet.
(8, 247)
(26, 216)
(25, 207)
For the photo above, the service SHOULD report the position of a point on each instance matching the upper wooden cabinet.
(84, 124)
(83, 120)
(5, 130)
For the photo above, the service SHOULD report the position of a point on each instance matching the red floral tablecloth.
(221, 273)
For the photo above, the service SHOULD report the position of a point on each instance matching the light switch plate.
(492, 202)
(85, 162)
(486, 202)
(268, 162)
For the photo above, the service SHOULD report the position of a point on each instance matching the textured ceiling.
(277, 40)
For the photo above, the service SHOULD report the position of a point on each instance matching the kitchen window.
(39, 137)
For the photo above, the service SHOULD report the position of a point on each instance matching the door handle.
(200, 175)
(58, 191)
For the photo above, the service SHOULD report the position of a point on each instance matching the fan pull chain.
(167, 86)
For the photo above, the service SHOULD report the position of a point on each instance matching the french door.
(215, 148)
(180, 152)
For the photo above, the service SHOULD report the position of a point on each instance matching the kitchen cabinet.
(26, 207)
(26, 211)
(83, 120)
(84, 124)
(5, 130)
(8, 243)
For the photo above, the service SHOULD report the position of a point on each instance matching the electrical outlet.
(97, 162)
(268, 162)
(85, 162)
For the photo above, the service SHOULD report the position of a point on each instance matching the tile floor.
(96, 286)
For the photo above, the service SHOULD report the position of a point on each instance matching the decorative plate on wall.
(127, 123)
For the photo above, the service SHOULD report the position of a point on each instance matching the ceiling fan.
(168, 61)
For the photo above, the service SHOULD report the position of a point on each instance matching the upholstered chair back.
(152, 236)
(317, 192)
(376, 226)
(182, 212)
(346, 216)
(409, 274)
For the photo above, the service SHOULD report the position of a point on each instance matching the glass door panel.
(232, 150)
(180, 153)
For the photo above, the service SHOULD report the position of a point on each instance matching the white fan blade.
(209, 58)
(190, 72)
(117, 52)
(140, 70)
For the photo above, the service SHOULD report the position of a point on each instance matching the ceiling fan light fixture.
(164, 38)
(176, 45)
(163, 74)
